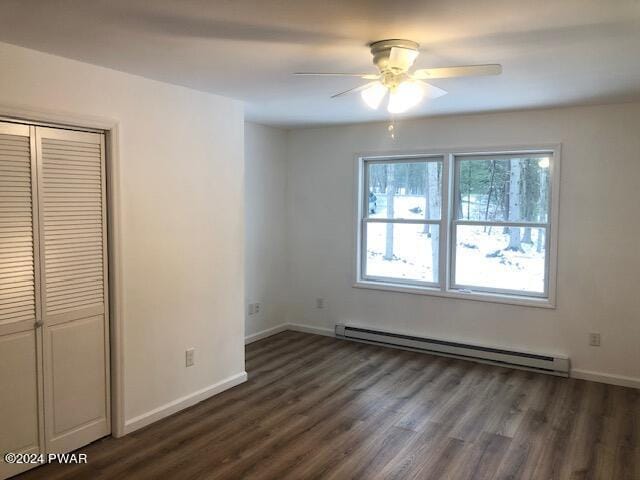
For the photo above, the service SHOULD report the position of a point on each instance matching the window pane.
(510, 258)
(503, 189)
(409, 190)
(402, 251)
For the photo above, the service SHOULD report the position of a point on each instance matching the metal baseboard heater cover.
(557, 365)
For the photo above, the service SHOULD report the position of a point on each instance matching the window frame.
(447, 225)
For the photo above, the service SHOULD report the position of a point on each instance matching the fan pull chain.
(392, 129)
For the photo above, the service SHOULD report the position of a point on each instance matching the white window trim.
(447, 224)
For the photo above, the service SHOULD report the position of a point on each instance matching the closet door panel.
(19, 393)
(74, 299)
(79, 398)
(21, 420)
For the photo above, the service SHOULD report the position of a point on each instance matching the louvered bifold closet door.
(74, 279)
(20, 343)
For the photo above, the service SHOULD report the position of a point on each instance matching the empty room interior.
(334, 240)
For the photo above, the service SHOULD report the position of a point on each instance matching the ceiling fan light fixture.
(374, 94)
(394, 59)
(405, 96)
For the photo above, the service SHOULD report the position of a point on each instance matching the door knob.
(38, 324)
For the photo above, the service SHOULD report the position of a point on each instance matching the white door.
(21, 412)
(74, 296)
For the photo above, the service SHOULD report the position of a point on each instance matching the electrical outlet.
(594, 339)
(256, 308)
(320, 303)
(190, 357)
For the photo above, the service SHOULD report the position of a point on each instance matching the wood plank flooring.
(320, 408)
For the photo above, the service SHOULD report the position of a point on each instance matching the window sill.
(457, 294)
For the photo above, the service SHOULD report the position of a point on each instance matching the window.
(402, 219)
(474, 225)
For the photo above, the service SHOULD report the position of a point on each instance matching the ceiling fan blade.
(402, 58)
(431, 91)
(353, 90)
(366, 76)
(461, 71)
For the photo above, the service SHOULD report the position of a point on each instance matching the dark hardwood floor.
(317, 407)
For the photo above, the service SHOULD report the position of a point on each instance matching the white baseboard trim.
(296, 327)
(308, 329)
(606, 378)
(170, 408)
(265, 333)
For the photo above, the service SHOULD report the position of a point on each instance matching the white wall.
(598, 261)
(265, 228)
(181, 230)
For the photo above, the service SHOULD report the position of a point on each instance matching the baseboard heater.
(556, 365)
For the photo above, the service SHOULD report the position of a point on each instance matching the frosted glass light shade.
(406, 95)
(374, 94)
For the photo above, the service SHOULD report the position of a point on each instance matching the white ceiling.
(554, 52)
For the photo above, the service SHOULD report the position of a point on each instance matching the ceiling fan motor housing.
(382, 49)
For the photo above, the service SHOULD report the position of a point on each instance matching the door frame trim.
(111, 129)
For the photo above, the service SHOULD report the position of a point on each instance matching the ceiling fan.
(394, 58)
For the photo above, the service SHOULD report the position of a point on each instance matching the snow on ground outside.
(481, 260)
(412, 252)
